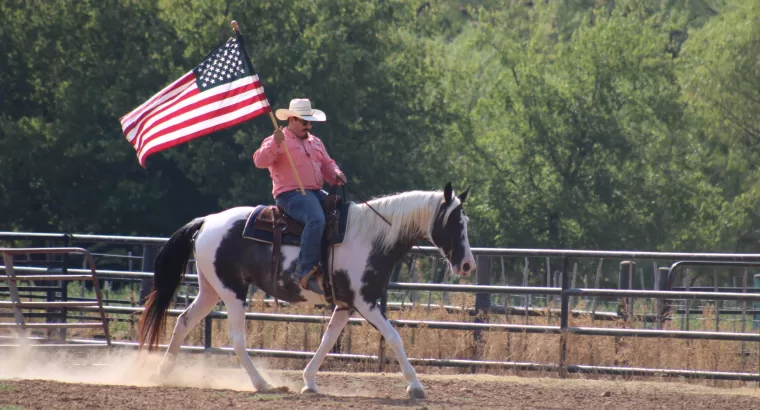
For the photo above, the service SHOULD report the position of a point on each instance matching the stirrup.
(305, 282)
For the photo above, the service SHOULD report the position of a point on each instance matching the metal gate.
(19, 306)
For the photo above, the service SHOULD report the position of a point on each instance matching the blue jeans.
(307, 210)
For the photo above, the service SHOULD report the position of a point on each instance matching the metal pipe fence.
(625, 298)
(513, 328)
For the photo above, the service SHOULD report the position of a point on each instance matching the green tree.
(570, 142)
(720, 73)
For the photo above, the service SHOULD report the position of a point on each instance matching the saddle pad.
(250, 232)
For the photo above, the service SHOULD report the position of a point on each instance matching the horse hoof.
(415, 393)
(308, 390)
(264, 389)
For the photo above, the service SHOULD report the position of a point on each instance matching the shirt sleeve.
(267, 154)
(329, 168)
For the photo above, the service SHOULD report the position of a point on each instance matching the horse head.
(449, 232)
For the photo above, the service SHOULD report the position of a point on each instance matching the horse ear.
(463, 196)
(447, 193)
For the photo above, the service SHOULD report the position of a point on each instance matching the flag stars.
(223, 66)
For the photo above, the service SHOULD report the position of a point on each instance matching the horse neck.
(410, 215)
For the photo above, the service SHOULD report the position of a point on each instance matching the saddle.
(273, 219)
(271, 224)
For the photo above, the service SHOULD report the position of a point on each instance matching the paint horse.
(227, 263)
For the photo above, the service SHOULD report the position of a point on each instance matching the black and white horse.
(227, 264)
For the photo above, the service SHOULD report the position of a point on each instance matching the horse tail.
(170, 268)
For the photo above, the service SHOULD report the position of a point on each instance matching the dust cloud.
(132, 368)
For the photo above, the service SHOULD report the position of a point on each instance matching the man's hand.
(279, 137)
(341, 178)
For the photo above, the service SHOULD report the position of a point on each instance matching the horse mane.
(410, 214)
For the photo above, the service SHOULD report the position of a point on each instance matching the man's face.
(300, 127)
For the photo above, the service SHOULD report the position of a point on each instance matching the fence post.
(564, 318)
(65, 285)
(624, 310)
(755, 305)
(415, 279)
(148, 264)
(660, 283)
(15, 297)
(528, 299)
(482, 302)
(717, 303)
(50, 296)
(664, 304)
(207, 332)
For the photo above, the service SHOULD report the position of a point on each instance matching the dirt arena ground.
(122, 382)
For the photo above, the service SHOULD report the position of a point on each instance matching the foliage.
(588, 124)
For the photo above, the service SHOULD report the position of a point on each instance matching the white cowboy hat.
(301, 108)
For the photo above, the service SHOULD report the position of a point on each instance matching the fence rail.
(483, 290)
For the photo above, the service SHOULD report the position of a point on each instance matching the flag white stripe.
(142, 126)
(147, 121)
(174, 98)
(188, 101)
(151, 100)
(130, 118)
(248, 109)
(179, 119)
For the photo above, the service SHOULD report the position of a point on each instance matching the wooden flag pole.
(274, 122)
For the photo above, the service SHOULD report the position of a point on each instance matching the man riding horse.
(314, 166)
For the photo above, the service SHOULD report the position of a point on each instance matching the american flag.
(222, 91)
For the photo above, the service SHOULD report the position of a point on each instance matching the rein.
(361, 197)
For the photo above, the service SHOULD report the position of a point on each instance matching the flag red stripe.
(135, 117)
(206, 116)
(180, 94)
(137, 141)
(159, 118)
(171, 143)
(179, 83)
(154, 119)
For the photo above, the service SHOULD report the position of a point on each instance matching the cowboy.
(314, 166)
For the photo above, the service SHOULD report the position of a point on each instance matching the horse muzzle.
(466, 268)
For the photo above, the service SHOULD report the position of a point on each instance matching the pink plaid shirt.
(309, 155)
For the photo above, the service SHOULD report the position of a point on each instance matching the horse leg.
(233, 294)
(339, 319)
(201, 306)
(374, 317)
(236, 329)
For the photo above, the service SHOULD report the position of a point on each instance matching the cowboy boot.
(309, 282)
